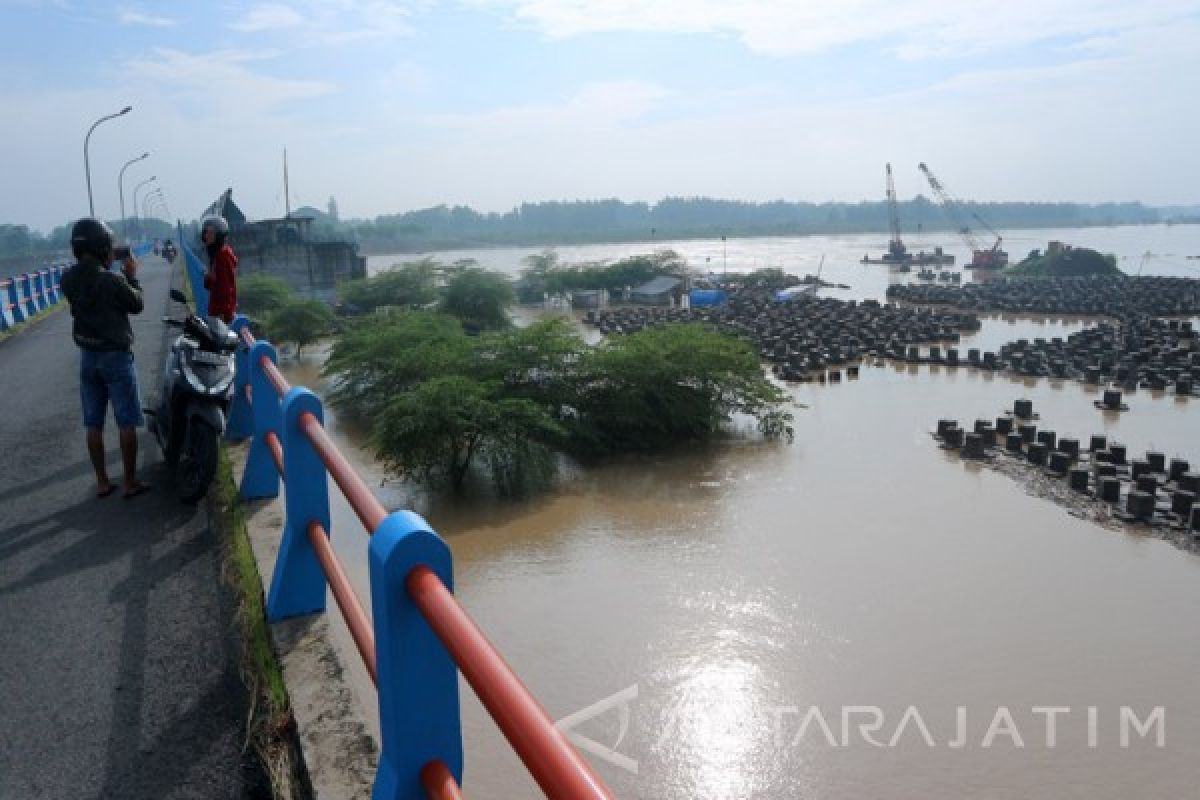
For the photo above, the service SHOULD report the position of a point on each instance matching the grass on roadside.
(270, 730)
(34, 320)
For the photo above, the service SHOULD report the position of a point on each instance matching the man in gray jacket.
(101, 302)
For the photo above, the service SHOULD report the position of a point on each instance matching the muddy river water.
(857, 614)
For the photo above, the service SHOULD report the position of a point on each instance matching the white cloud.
(911, 29)
(333, 22)
(129, 16)
(221, 78)
(593, 107)
(268, 17)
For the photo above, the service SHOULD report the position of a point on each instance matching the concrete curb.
(340, 751)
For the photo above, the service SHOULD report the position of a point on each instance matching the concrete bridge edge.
(338, 734)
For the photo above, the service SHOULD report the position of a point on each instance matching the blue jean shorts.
(105, 376)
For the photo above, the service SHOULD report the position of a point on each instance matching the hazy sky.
(392, 106)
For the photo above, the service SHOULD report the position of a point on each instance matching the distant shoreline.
(620, 237)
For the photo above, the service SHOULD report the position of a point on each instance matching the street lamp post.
(121, 189)
(135, 194)
(87, 167)
(162, 200)
(148, 200)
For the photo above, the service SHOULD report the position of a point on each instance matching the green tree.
(667, 385)
(769, 278)
(440, 401)
(1067, 262)
(630, 271)
(17, 240)
(478, 297)
(409, 285)
(435, 432)
(302, 322)
(381, 356)
(261, 294)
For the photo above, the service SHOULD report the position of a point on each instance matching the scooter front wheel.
(197, 465)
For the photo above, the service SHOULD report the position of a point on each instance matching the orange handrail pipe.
(439, 784)
(556, 766)
(552, 761)
(276, 378)
(347, 600)
(276, 450)
(369, 510)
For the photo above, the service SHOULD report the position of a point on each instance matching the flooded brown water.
(860, 571)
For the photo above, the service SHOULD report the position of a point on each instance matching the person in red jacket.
(221, 277)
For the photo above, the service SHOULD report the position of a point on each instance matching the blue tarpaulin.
(707, 297)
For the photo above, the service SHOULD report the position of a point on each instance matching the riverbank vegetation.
(596, 221)
(478, 297)
(1065, 262)
(280, 315)
(441, 403)
(545, 273)
(611, 220)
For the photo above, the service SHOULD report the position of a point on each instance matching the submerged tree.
(440, 401)
(259, 294)
(410, 285)
(478, 297)
(436, 431)
(1066, 262)
(302, 322)
(672, 384)
(382, 356)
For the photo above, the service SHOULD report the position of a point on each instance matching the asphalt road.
(118, 671)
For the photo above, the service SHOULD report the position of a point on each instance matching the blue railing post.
(6, 315)
(418, 682)
(48, 287)
(14, 297)
(260, 477)
(37, 288)
(298, 584)
(30, 304)
(241, 416)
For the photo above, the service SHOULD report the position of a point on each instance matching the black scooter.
(197, 385)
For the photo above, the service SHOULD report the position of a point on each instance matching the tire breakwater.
(805, 334)
(1100, 482)
(1106, 296)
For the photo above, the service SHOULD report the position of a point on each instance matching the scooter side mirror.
(178, 296)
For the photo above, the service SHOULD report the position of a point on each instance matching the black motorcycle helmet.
(90, 236)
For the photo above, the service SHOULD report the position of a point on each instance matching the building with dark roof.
(288, 249)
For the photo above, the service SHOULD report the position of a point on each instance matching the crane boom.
(952, 207)
(982, 258)
(895, 246)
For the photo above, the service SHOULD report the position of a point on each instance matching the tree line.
(683, 217)
(21, 240)
(582, 221)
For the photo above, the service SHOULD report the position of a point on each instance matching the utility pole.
(287, 199)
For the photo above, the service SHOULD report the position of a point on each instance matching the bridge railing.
(421, 637)
(29, 293)
(24, 295)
